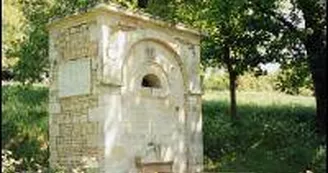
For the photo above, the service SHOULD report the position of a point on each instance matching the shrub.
(25, 125)
(216, 82)
(295, 79)
(251, 82)
(247, 82)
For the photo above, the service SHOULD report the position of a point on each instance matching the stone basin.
(155, 167)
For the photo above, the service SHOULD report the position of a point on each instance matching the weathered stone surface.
(54, 108)
(105, 112)
(74, 78)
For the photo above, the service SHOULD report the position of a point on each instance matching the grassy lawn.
(274, 135)
(261, 98)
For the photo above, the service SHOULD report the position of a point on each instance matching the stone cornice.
(144, 17)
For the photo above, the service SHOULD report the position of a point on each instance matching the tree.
(239, 37)
(287, 42)
(13, 32)
(293, 77)
(32, 52)
(313, 38)
(315, 43)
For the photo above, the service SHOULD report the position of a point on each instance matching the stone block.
(54, 130)
(54, 108)
(98, 113)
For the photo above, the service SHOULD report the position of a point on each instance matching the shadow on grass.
(271, 139)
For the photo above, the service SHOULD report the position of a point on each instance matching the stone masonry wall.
(73, 135)
(100, 115)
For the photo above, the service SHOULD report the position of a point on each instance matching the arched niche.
(153, 98)
(165, 46)
(151, 81)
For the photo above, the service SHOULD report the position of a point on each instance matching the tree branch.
(278, 17)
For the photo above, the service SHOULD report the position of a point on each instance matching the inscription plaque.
(74, 78)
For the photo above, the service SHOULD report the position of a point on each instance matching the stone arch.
(176, 57)
(159, 72)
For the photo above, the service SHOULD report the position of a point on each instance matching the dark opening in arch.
(151, 81)
(142, 3)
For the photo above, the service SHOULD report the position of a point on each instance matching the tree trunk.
(233, 102)
(315, 44)
(317, 61)
(232, 84)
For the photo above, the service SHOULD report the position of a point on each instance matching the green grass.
(261, 98)
(274, 135)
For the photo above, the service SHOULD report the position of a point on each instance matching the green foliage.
(13, 33)
(280, 81)
(309, 39)
(33, 61)
(275, 134)
(227, 24)
(166, 9)
(25, 125)
(246, 82)
(250, 82)
(32, 52)
(238, 34)
(295, 79)
(216, 82)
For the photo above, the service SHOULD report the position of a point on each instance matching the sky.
(270, 67)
